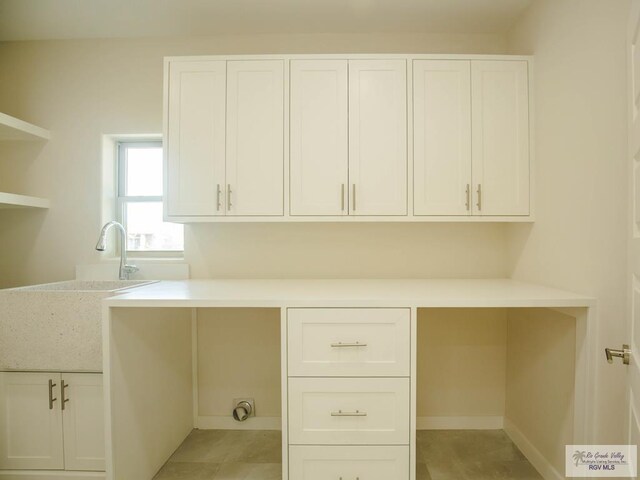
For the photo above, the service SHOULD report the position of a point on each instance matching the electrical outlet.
(250, 401)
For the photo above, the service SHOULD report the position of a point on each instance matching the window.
(140, 191)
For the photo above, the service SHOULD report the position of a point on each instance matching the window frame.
(122, 199)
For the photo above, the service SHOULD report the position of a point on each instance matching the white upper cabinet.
(195, 141)
(318, 137)
(442, 137)
(325, 138)
(255, 137)
(500, 106)
(378, 137)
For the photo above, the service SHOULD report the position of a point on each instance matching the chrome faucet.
(125, 270)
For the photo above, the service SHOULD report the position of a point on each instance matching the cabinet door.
(30, 424)
(378, 137)
(442, 137)
(83, 422)
(255, 137)
(500, 106)
(319, 130)
(195, 143)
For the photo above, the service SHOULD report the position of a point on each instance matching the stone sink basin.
(56, 326)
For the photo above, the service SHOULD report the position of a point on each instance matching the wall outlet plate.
(250, 401)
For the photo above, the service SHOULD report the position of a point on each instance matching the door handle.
(228, 197)
(218, 197)
(51, 397)
(342, 198)
(348, 344)
(353, 188)
(479, 204)
(467, 203)
(624, 354)
(63, 397)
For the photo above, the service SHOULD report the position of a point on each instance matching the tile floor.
(255, 455)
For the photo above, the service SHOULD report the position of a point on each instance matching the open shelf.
(15, 129)
(12, 200)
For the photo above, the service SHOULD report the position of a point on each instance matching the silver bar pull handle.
(218, 198)
(51, 397)
(348, 344)
(624, 354)
(340, 413)
(467, 203)
(63, 397)
(479, 204)
(342, 198)
(353, 194)
(228, 197)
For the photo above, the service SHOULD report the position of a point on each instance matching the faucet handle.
(128, 270)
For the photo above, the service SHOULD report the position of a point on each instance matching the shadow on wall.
(356, 250)
(17, 242)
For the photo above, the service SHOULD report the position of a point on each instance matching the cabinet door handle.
(63, 398)
(340, 413)
(348, 344)
(479, 204)
(51, 397)
(228, 197)
(353, 194)
(218, 198)
(342, 198)
(467, 203)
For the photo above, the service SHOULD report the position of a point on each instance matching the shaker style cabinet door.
(500, 139)
(318, 137)
(30, 421)
(83, 422)
(377, 137)
(442, 137)
(255, 137)
(195, 143)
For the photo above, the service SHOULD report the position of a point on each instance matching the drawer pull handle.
(340, 413)
(348, 344)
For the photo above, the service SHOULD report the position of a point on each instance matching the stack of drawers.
(349, 393)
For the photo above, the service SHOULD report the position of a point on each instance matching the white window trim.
(122, 199)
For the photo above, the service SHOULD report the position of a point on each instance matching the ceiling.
(64, 19)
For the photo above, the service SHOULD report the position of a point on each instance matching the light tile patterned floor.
(256, 455)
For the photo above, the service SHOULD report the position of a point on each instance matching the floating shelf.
(12, 200)
(15, 129)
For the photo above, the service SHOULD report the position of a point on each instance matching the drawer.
(348, 463)
(349, 411)
(349, 342)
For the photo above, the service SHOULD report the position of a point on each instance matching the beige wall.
(579, 239)
(81, 90)
(461, 362)
(541, 351)
(238, 356)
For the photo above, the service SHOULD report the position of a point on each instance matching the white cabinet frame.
(410, 217)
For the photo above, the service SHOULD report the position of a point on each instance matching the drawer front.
(349, 411)
(348, 463)
(356, 342)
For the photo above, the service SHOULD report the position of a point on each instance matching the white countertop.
(354, 293)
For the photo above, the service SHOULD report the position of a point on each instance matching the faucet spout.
(125, 268)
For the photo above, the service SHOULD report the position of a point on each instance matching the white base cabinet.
(348, 463)
(348, 391)
(51, 421)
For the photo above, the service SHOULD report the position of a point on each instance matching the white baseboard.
(228, 423)
(50, 475)
(534, 456)
(460, 423)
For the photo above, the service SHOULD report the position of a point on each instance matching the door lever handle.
(624, 354)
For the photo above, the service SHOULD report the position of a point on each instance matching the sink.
(56, 326)
(86, 286)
